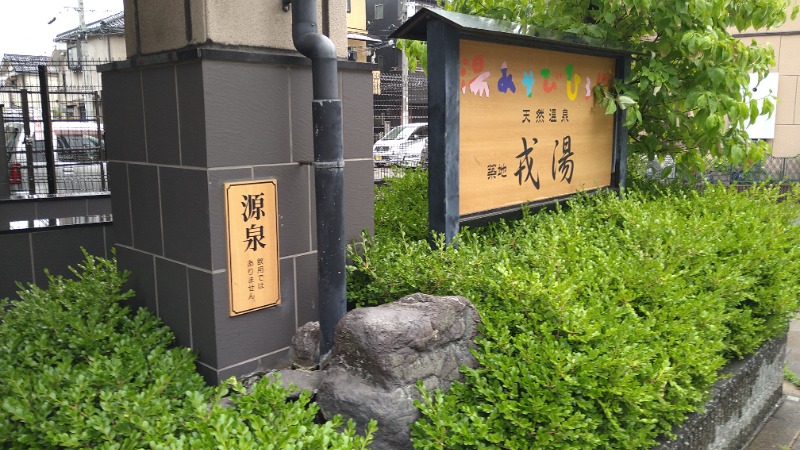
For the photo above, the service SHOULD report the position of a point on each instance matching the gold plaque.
(530, 129)
(253, 258)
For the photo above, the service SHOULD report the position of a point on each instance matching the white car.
(402, 145)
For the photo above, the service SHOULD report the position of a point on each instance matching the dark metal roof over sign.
(503, 31)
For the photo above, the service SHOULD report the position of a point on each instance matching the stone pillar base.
(179, 125)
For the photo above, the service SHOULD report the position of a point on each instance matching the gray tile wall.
(5, 186)
(142, 277)
(176, 133)
(120, 202)
(161, 115)
(247, 113)
(123, 123)
(16, 268)
(27, 254)
(53, 208)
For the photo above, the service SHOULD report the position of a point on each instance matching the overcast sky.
(24, 27)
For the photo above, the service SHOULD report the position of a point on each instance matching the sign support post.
(621, 131)
(443, 123)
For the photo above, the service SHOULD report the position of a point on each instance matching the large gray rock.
(380, 353)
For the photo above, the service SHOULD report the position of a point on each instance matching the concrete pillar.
(162, 26)
(213, 92)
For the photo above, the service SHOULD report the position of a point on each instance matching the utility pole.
(82, 54)
(81, 30)
(404, 69)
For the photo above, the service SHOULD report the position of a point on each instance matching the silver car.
(78, 153)
(402, 145)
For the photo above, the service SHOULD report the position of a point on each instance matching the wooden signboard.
(530, 129)
(512, 118)
(253, 257)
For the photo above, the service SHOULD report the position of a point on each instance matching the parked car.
(77, 151)
(423, 157)
(402, 145)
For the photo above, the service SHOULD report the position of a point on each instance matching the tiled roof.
(24, 63)
(113, 24)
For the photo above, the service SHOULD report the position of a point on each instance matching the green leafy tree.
(686, 94)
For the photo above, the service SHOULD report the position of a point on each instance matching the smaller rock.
(296, 381)
(305, 347)
(248, 381)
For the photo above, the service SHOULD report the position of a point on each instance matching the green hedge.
(605, 323)
(79, 369)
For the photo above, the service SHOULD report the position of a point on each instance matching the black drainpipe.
(328, 167)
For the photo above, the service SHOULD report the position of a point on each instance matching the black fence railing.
(400, 132)
(52, 130)
(392, 102)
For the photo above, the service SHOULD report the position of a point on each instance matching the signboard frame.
(252, 229)
(444, 31)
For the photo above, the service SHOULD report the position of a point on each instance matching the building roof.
(362, 37)
(111, 25)
(415, 28)
(24, 63)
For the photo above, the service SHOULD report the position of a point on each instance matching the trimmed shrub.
(263, 419)
(401, 205)
(604, 323)
(78, 369)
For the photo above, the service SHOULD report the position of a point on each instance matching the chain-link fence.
(52, 127)
(772, 169)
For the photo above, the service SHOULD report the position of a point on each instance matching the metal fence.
(399, 101)
(772, 170)
(52, 127)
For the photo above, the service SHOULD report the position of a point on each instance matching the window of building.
(348, 6)
(76, 111)
(378, 11)
(73, 57)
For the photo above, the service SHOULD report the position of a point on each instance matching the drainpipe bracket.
(329, 164)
